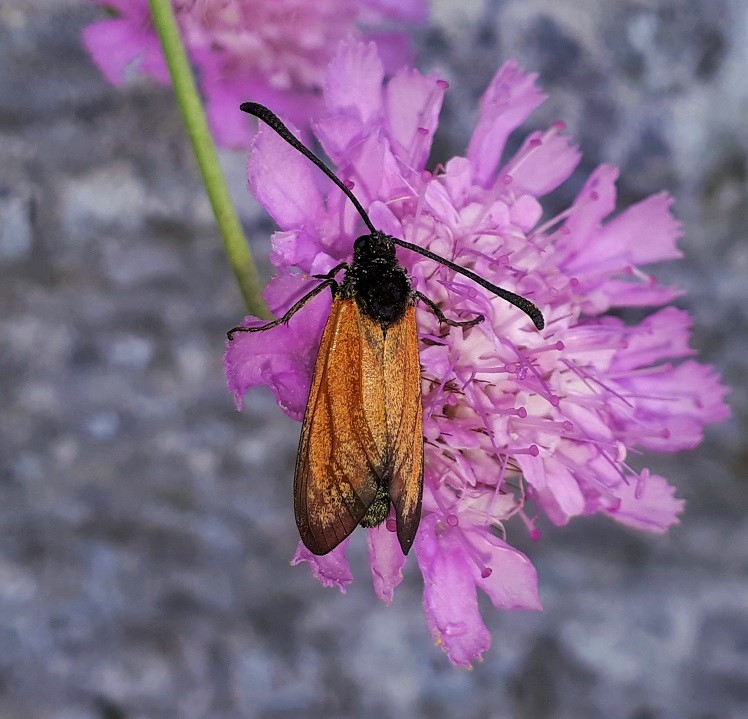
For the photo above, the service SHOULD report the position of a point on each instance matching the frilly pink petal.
(619, 243)
(664, 333)
(387, 561)
(449, 595)
(354, 82)
(673, 405)
(555, 487)
(293, 203)
(412, 105)
(562, 498)
(631, 293)
(540, 168)
(509, 99)
(375, 170)
(508, 576)
(284, 289)
(110, 47)
(648, 503)
(593, 204)
(651, 218)
(274, 52)
(331, 569)
(338, 133)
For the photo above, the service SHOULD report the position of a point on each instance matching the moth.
(361, 446)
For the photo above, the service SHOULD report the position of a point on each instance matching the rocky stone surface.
(146, 527)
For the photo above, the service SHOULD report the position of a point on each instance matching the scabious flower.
(516, 422)
(273, 51)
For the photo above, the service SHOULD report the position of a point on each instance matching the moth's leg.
(334, 271)
(291, 312)
(330, 276)
(442, 318)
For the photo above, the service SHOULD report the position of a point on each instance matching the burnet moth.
(361, 446)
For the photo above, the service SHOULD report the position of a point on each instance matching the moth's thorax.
(376, 281)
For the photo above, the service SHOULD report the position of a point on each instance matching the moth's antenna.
(525, 305)
(274, 122)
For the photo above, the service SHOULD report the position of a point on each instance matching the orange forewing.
(402, 387)
(362, 429)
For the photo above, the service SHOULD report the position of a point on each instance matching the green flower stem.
(191, 108)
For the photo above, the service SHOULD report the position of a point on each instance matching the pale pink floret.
(274, 52)
(517, 423)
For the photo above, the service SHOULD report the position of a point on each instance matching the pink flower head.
(516, 422)
(273, 51)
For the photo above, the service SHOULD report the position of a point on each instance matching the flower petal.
(354, 82)
(282, 180)
(412, 105)
(663, 334)
(375, 170)
(556, 489)
(619, 243)
(387, 561)
(655, 509)
(593, 204)
(622, 293)
(449, 595)
(673, 404)
(509, 99)
(512, 582)
(539, 168)
(331, 569)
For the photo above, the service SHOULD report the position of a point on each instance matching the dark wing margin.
(339, 461)
(402, 383)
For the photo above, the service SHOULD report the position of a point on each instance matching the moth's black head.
(376, 281)
(374, 249)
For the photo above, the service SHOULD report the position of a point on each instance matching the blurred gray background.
(146, 527)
